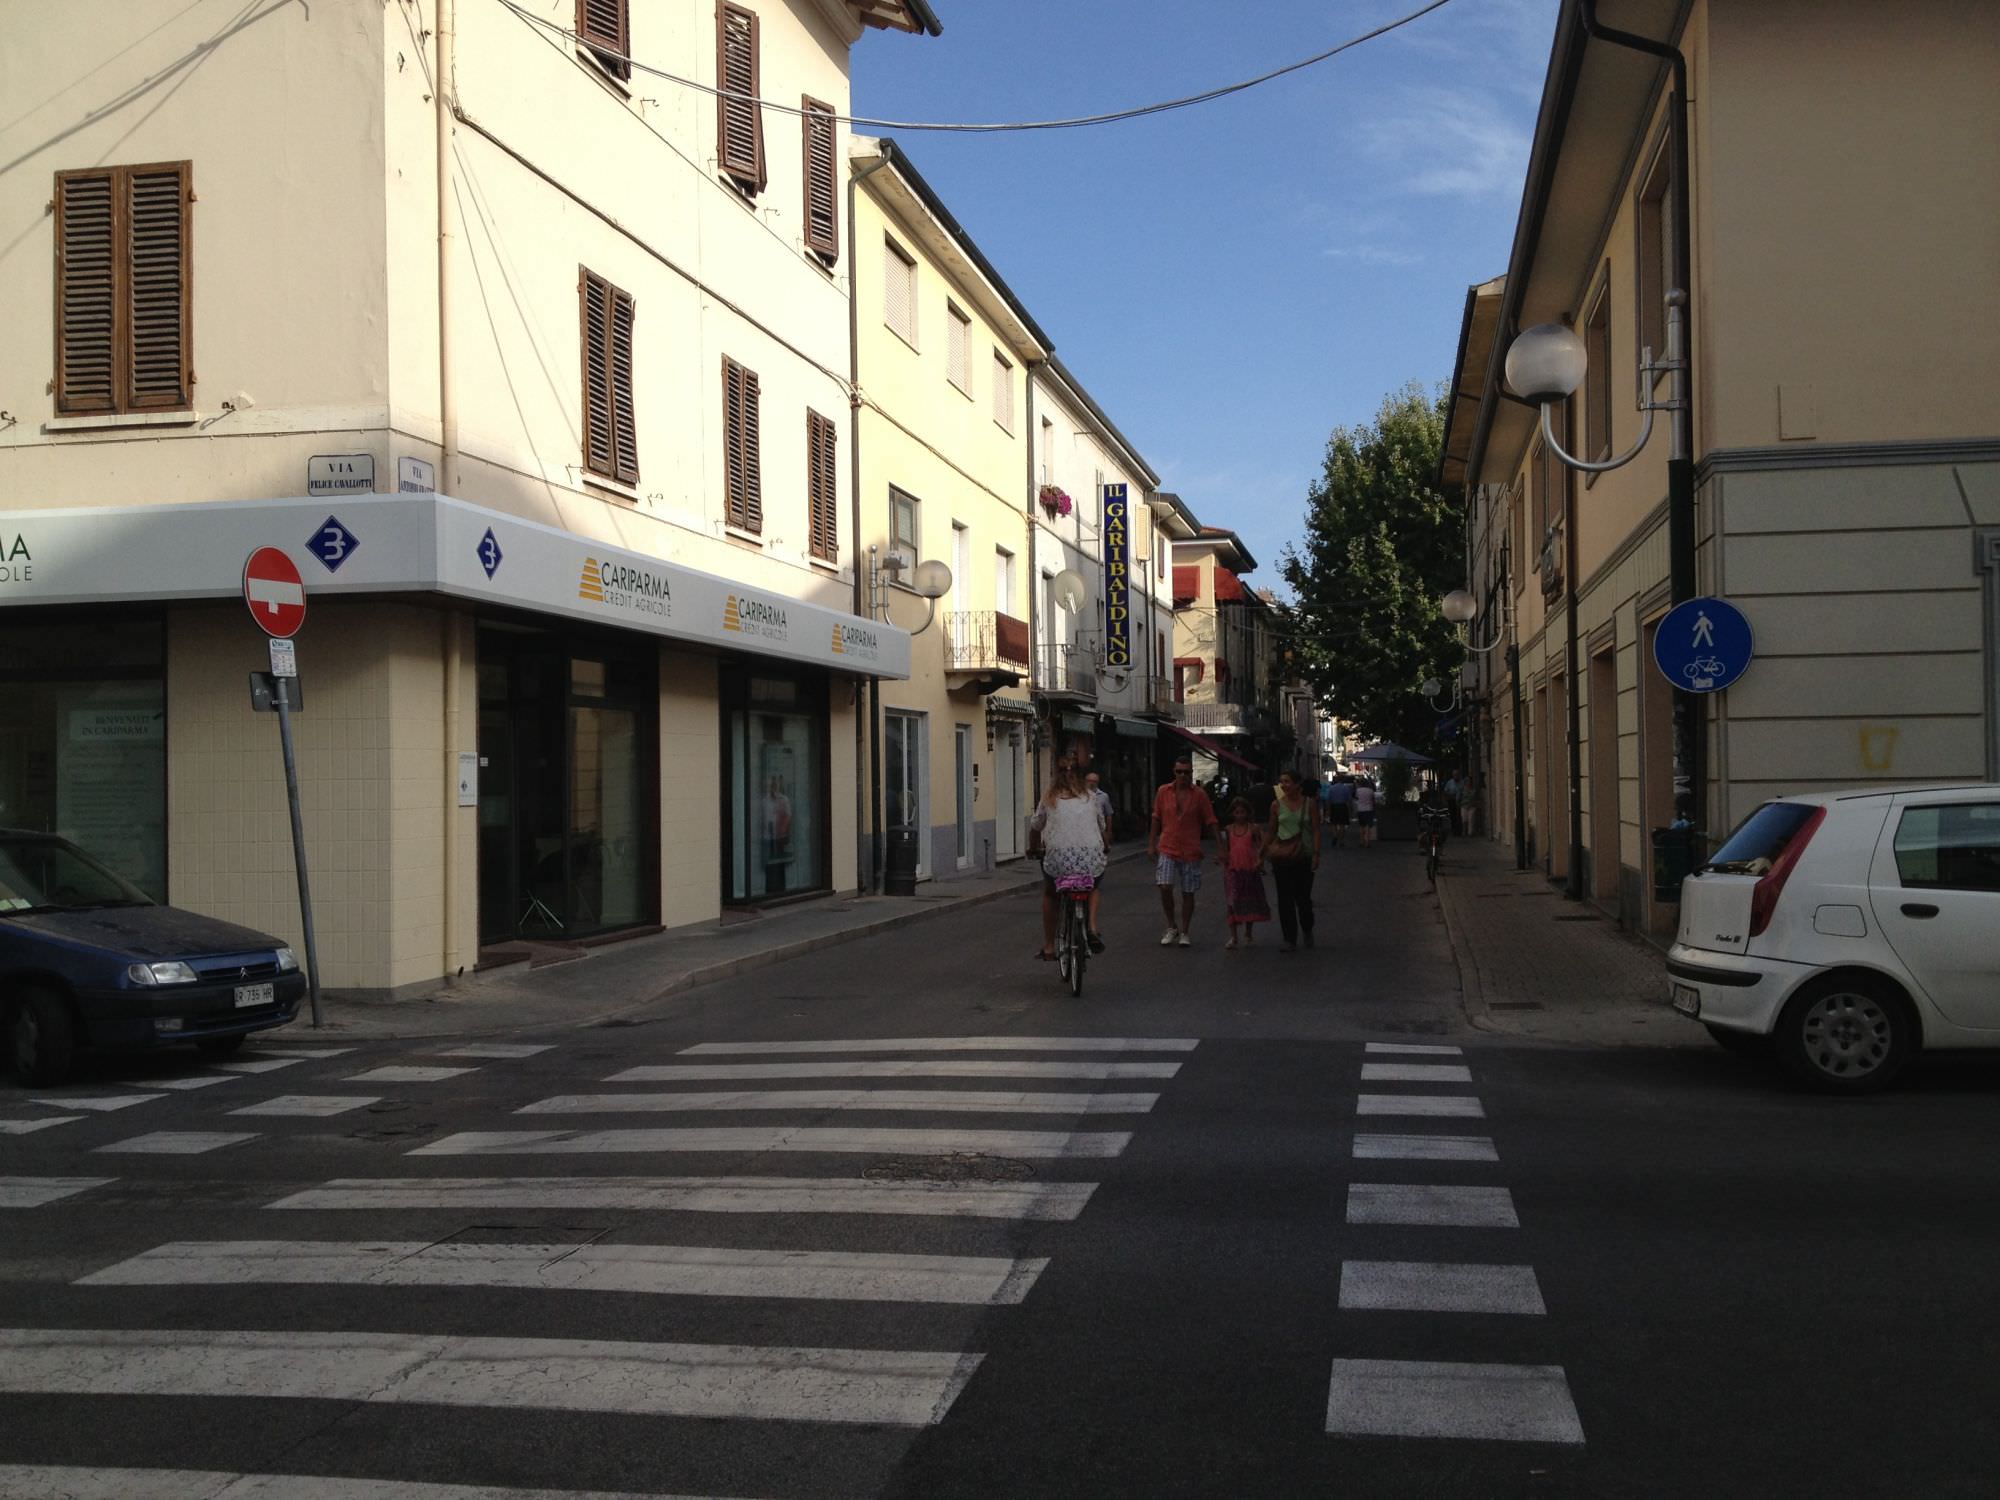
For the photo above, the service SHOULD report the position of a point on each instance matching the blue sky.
(1234, 280)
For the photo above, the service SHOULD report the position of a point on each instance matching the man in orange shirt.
(1182, 814)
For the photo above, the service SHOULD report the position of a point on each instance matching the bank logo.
(17, 564)
(747, 616)
(839, 647)
(617, 585)
(590, 586)
(857, 641)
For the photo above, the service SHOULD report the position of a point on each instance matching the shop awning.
(425, 543)
(1079, 723)
(1202, 743)
(1013, 708)
(1137, 729)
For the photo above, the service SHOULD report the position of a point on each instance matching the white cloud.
(1451, 143)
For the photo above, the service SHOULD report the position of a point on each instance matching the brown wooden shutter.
(822, 487)
(599, 404)
(822, 216)
(624, 429)
(86, 292)
(753, 462)
(740, 120)
(605, 27)
(156, 288)
(742, 465)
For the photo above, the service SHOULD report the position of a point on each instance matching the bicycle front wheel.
(1078, 945)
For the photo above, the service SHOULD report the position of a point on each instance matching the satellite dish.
(1070, 591)
(931, 579)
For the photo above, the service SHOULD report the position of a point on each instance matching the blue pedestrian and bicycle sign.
(1702, 646)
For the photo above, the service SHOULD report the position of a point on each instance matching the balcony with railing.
(1225, 718)
(986, 648)
(1159, 698)
(1066, 670)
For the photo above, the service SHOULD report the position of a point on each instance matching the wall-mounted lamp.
(929, 580)
(1546, 363)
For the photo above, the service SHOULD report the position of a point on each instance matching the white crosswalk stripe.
(402, 1074)
(896, 1068)
(1460, 1106)
(706, 1195)
(311, 1106)
(1415, 1073)
(1413, 1049)
(179, 1142)
(96, 1103)
(33, 1192)
(29, 1127)
(959, 1044)
(495, 1049)
(1416, 1398)
(67, 1482)
(1424, 1148)
(1426, 1286)
(950, 1101)
(1037, 1144)
(1420, 1203)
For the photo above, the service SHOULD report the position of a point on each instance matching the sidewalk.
(1534, 965)
(603, 983)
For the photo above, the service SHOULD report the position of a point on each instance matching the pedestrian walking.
(1293, 851)
(1093, 784)
(1182, 817)
(1364, 811)
(1454, 795)
(1339, 802)
(1243, 874)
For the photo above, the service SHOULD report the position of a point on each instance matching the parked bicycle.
(1433, 827)
(1073, 928)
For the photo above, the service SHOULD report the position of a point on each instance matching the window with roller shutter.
(122, 289)
(822, 487)
(605, 29)
(958, 348)
(822, 214)
(899, 291)
(610, 432)
(739, 119)
(742, 467)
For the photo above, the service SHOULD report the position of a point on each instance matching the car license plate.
(1687, 1000)
(248, 995)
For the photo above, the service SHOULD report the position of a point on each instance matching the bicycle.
(1073, 928)
(1433, 823)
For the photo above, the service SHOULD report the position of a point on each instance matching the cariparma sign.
(1117, 579)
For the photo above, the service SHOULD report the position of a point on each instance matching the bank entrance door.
(568, 833)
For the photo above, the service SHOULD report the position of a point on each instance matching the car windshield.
(39, 873)
(1760, 839)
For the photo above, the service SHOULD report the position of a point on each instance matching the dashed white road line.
(1428, 1399)
(33, 1192)
(960, 1044)
(1415, 1073)
(1457, 1106)
(1038, 1144)
(1418, 1203)
(1413, 1049)
(657, 1270)
(901, 1388)
(1424, 1148)
(707, 1195)
(945, 1101)
(939, 1067)
(1428, 1286)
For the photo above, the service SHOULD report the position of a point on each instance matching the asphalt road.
(1203, 1233)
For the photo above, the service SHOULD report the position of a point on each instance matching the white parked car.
(1847, 931)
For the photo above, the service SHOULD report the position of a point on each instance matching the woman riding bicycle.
(1069, 833)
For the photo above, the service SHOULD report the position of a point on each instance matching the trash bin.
(1673, 861)
(899, 868)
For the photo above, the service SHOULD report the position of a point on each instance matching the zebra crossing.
(1436, 1398)
(812, 1229)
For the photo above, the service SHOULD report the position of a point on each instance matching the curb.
(1471, 987)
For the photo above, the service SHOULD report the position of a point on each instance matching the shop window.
(83, 741)
(775, 818)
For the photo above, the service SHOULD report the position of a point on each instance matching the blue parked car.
(89, 960)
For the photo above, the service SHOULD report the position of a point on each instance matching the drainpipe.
(1690, 751)
(454, 666)
(870, 791)
(1573, 881)
(1034, 591)
(1514, 695)
(441, 97)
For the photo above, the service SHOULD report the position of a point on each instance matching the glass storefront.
(567, 834)
(83, 739)
(775, 770)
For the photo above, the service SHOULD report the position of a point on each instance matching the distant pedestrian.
(1339, 802)
(1262, 795)
(1243, 873)
(1182, 817)
(1294, 855)
(1364, 811)
(1094, 785)
(1454, 796)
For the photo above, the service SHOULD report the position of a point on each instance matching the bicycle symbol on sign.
(1702, 672)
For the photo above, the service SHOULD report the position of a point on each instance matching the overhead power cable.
(1109, 117)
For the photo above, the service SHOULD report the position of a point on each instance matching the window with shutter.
(822, 216)
(742, 464)
(1597, 378)
(122, 328)
(605, 28)
(899, 291)
(822, 487)
(958, 349)
(739, 119)
(610, 432)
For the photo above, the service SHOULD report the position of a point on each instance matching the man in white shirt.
(1364, 810)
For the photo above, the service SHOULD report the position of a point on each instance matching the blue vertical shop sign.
(1117, 590)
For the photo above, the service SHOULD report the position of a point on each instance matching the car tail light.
(1771, 884)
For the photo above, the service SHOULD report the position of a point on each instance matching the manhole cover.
(957, 1166)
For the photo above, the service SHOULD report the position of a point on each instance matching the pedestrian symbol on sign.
(1704, 631)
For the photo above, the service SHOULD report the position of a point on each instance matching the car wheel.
(219, 1046)
(1846, 1034)
(42, 1037)
(1748, 1044)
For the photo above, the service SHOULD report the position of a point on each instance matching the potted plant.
(1055, 500)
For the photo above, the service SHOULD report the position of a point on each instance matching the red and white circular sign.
(275, 592)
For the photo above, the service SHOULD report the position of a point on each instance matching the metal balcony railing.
(985, 640)
(1243, 716)
(1069, 669)
(1159, 698)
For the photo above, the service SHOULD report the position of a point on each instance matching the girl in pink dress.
(1243, 872)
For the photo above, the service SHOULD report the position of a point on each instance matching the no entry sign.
(275, 592)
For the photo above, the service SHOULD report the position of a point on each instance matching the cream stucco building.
(1839, 163)
(538, 368)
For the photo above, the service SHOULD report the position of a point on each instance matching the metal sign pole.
(283, 697)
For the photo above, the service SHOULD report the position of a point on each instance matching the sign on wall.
(340, 474)
(1703, 645)
(1117, 579)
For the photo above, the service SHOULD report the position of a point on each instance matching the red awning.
(1211, 747)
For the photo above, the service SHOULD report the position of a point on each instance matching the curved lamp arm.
(1555, 447)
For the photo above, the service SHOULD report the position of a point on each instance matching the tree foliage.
(1382, 546)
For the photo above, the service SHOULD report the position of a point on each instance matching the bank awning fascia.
(431, 544)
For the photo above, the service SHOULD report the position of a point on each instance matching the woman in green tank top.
(1294, 856)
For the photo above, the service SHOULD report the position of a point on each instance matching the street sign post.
(277, 599)
(1703, 645)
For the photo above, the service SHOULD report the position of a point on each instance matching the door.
(962, 776)
(903, 781)
(1007, 818)
(1935, 887)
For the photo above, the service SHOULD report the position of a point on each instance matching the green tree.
(1382, 545)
